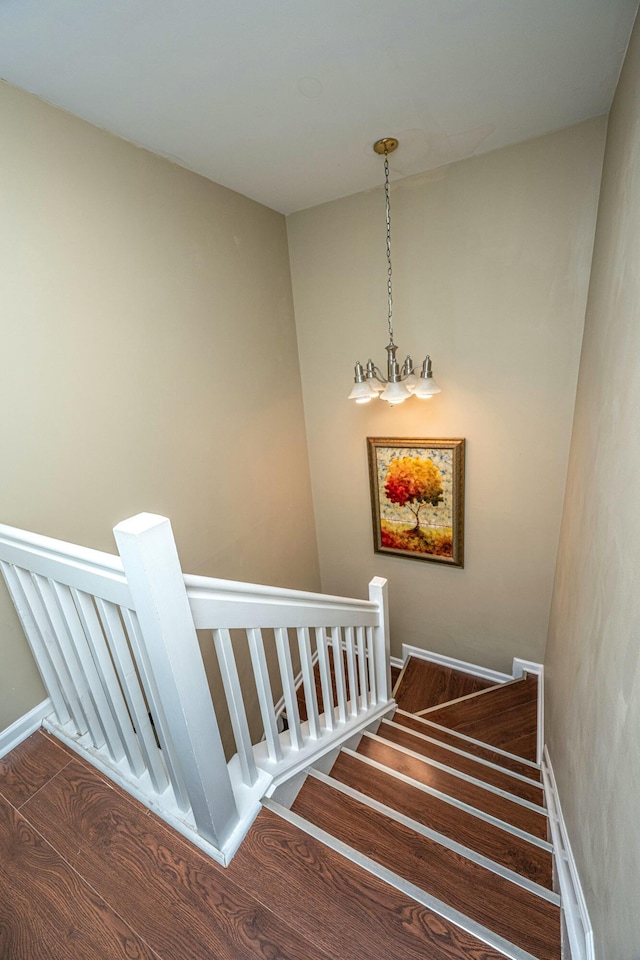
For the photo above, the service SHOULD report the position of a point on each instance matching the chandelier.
(400, 383)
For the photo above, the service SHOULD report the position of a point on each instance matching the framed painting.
(417, 498)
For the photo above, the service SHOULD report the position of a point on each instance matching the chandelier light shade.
(400, 383)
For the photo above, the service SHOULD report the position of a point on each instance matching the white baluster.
(309, 681)
(71, 656)
(288, 686)
(362, 667)
(235, 703)
(97, 643)
(371, 663)
(99, 696)
(351, 672)
(338, 672)
(265, 695)
(54, 650)
(36, 643)
(325, 679)
(138, 710)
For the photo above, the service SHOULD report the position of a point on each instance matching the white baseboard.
(530, 666)
(461, 665)
(397, 663)
(521, 666)
(24, 727)
(579, 945)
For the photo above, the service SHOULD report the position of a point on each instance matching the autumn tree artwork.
(416, 488)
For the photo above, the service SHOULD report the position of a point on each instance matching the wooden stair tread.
(476, 796)
(465, 763)
(452, 737)
(514, 730)
(425, 684)
(485, 703)
(518, 915)
(504, 716)
(348, 911)
(491, 841)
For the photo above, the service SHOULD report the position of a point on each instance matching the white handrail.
(115, 640)
(238, 588)
(222, 603)
(94, 572)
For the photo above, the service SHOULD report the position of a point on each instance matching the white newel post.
(382, 641)
(156, 582)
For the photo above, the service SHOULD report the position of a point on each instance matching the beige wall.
(593, 652)
(149, 362)
(491, 268)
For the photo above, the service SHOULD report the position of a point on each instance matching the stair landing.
(87, 873)
(422, 684)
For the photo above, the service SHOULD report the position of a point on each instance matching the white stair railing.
(348, 638)
(115, 640)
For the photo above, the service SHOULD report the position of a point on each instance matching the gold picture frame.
(417, 498)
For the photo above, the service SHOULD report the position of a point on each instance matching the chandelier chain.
(389, 270)
(401, 381)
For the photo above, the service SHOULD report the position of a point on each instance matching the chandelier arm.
(379, 374)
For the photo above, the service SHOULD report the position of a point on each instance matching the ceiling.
(282, 100)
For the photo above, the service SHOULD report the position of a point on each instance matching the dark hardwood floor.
(87, 872)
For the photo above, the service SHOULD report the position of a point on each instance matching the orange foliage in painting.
(412, 482)
(437, 543)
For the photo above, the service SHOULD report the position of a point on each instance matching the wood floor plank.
(182, 903)
(517, 914)
(491, 841)
(494, 804)
(354, 915)
(426, 684)
(47, 912)
(454, 739)
(29, 766)
(504, 781)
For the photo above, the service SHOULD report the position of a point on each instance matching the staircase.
(411, 826)
(429, 839)
(418, 842)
